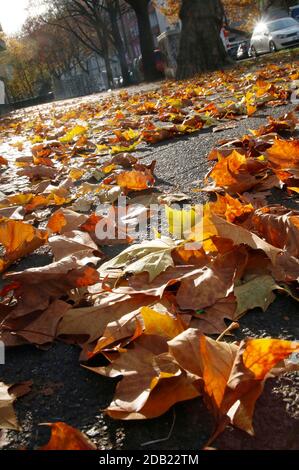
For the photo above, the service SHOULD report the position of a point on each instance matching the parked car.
(294, 12)
(274, 35)
(232, 50)
(243, 50)
(232, 39)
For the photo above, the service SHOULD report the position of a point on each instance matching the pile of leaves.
(158, 313)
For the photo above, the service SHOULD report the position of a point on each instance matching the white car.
(274, 35)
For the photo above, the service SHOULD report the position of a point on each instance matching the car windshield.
(281, 24)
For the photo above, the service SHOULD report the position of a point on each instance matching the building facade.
(79, 82)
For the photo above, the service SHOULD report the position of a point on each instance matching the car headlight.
(282, 36)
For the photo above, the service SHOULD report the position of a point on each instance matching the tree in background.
(141, 8)
(88, 23)
(201, 47)
(36, 57)
(112, 7)
(24, 71)
(82, 26)
(244, 12)
(47, 40)
(169, 8)
(95, 24)
(92, 22)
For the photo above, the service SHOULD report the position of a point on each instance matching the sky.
(12, 15)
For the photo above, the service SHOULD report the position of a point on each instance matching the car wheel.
(272, 47)
(253, 52)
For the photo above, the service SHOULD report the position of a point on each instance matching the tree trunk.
(201, 47)
(105, 48)
(28, 83)
(108, 69)
(146, 39)
(119, 45)
(128, 47)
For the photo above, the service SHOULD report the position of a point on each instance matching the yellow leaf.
(76, 174)
(102, 147)
(37, 140)
(261, 355)
(131, 135)
(108, 169)
(161, 324)
(16, 200)
(19, 239)
(180, 222)
(251, 109)
(71, 134)
(122, 148)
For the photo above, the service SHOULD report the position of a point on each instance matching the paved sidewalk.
(63, 391)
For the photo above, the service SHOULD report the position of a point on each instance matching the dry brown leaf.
(211, 320)
(35, 288)
(144, 368)
(3, 161)
(135, 180)
(75, 243)
(91, 322)
(214, 282)
(141, 284)
(168, 392)
(285, 123)
(233, 209)
(236, 173)
(238, 235)
(21, 389)
(8, 419)
(38, 172)
(144, 321)
(284, 154)
(255, 360)
(233, 376)
(66, 220)
(278, 226)
(39, 328)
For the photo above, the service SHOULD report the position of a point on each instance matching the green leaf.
(257, 292)
(153, 257)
